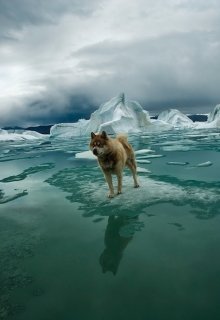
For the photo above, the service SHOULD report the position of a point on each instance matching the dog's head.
(99, 143)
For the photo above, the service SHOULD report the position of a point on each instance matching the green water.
(68, 252)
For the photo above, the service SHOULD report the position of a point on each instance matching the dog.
(113, 155)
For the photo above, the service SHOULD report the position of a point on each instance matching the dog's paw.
(119, 192)
(136, 185)
(111, 195)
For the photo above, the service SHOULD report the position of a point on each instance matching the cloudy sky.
(60, 59)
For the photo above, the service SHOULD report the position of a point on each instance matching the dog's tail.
(122, 138)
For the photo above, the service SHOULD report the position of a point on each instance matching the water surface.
(68, 252)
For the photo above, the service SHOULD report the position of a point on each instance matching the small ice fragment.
(205, 164)
(143, 161)
(85, 155)
(139, 169)
(176, 148)
(155, 156)
(176, 163)
(143, 151)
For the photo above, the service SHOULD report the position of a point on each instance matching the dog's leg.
(108, 178)
(119, 177)
(132, 166)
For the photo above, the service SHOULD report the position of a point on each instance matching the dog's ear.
(104, 135)
(92, 135)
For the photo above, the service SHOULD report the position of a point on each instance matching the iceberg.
(19, 135)
(175, 118)
(115, 116)
(68, 130)
(213, 120)
(120, 115)
(215, 115)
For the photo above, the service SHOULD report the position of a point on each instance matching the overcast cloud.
(60, 59)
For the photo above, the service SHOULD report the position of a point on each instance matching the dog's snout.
(95, 152)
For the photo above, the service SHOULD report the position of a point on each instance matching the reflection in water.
(115, 243)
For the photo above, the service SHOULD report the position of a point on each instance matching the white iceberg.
(115, 116)
(20, 135)
(68, 130)
(213, 120)
(215, 115)
(175, 118)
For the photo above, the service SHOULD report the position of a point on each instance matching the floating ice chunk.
(143, 151)
(90, 190)
(176, 148)
(176, 163)
(176, 118)
(143, 170)
(205, 164)
(85, 155)
(143, 161)
(155, 156)
(19, 135)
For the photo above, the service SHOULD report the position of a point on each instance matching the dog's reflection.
(115, 243)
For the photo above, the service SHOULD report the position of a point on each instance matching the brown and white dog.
(113, 155)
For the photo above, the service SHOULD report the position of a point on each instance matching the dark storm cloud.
(175, 68)
(16, 14)
(69, 56)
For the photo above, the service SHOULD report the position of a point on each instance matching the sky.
(60, 59)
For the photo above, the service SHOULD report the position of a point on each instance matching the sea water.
(68, 252)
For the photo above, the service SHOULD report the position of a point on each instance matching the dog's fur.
(113, 155)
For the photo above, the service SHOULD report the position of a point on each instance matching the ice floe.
(142, 160)
(89, 188)
(143, 151)
(20, 135)
(85, 155)
(176, 163)
(205, 164)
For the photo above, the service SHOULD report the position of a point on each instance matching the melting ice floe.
(205, 164)
(89, 189)
(85, 155)
(20, 135)
(89, 155)
(176, 163)
(144, 151)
